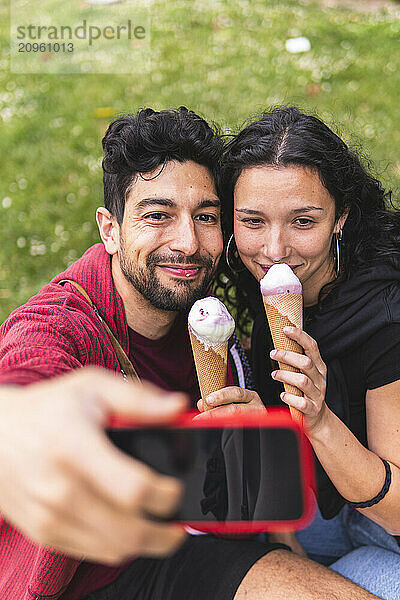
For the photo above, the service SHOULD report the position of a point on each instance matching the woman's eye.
(303, 222)
(252, 221)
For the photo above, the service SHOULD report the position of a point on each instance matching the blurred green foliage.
(225, 59)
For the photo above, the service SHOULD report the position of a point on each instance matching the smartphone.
(247, 473)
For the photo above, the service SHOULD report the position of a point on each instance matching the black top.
(358, 333)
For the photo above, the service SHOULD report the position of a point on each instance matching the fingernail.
(282, 395)
(288, 329)
(273, 374)
(273, 353)
(210, 399)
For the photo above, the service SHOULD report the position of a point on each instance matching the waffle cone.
(286, 310)
(211, 366)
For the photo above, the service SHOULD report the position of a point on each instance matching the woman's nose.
(275, 246)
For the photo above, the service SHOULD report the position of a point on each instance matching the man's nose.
(185, 238)
(275, 246)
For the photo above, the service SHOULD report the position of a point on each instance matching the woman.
(301, 197)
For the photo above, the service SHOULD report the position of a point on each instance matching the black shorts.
(204, 568)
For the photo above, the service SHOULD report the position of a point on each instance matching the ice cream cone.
(286, 310)
(211, 366)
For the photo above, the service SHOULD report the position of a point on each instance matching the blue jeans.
(357, 548)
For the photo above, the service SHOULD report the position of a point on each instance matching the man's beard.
(146, 282)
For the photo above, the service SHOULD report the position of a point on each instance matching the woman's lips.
(183, 272)
(266, 268)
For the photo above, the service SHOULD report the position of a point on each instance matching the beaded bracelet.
(382, 493)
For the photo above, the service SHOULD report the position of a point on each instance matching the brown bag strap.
(127, 368)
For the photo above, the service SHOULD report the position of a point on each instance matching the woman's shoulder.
(391, 299)
(380, 356)
(376, 286)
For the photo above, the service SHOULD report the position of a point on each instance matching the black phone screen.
(229, 474)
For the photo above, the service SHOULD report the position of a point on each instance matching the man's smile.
(186, 271)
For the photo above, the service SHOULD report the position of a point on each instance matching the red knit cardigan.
(56, 331)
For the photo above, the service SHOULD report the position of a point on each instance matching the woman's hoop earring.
(339, 236)
(227, 256)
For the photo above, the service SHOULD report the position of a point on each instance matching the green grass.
(225, 59)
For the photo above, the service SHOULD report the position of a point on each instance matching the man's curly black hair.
(137, 144)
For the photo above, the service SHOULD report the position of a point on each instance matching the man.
(161, 235)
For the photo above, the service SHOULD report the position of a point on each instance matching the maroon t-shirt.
(168, 361)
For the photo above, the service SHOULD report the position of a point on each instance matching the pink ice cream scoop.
(280, 279)
(210, 321)
(283, 302)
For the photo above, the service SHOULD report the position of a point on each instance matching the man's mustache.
(173, 259)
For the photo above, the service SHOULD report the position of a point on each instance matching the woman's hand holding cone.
(311, 379)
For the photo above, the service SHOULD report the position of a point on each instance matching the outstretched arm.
(64, 484)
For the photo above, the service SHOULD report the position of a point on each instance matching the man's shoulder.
(59, 301)
(56, 330)
(56, 310)
(52, 300)
(94, 261)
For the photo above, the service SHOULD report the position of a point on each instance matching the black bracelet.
(382, 493)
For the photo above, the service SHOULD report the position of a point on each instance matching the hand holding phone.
(240, 474)
(65, 485)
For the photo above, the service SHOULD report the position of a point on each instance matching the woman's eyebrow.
(295, 211)
(249, 211)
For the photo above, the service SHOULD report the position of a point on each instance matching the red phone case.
(274, 418)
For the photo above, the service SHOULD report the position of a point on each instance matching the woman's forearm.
(357, 473)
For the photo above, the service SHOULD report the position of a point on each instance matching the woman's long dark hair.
(285, 136)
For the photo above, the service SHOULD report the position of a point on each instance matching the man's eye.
(206, 218)
(158, 216)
